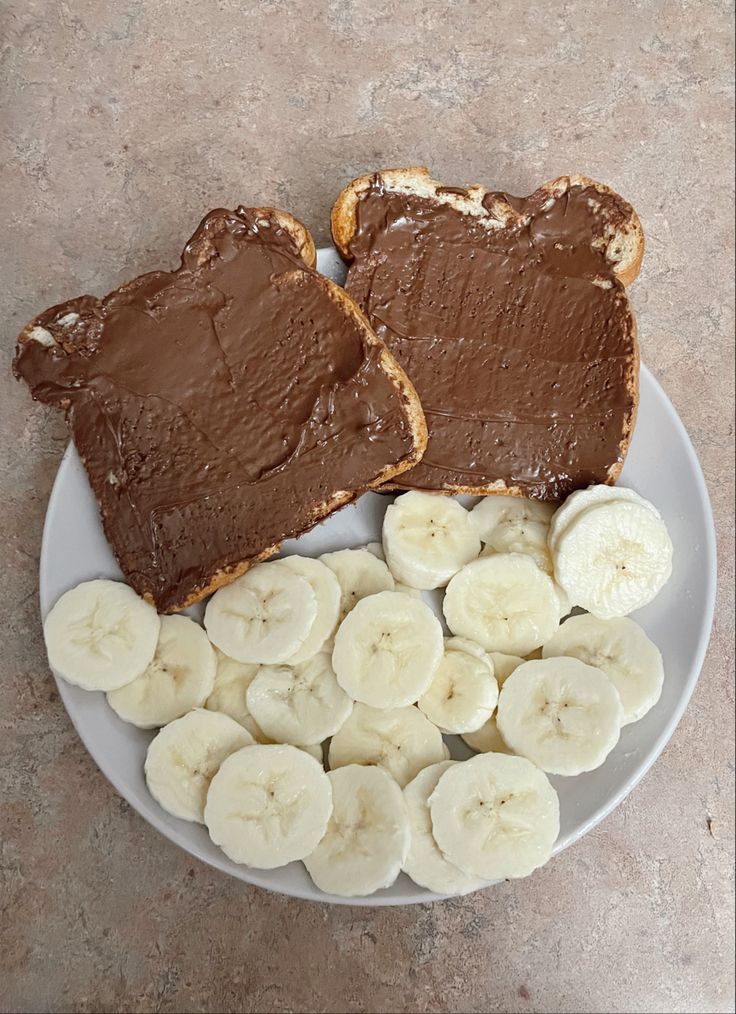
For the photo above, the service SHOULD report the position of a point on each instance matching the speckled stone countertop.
(120, 125)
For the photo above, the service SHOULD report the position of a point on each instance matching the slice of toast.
(224, 406)
(510, 317)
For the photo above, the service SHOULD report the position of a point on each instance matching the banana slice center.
(97, 635)
(497, 814)
(561, 718)
(624, 558)
(273, 806)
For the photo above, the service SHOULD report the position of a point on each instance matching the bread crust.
(624, 251)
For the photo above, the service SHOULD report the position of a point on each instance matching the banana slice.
(565, 601)
(561, 714)
(543, 560)
(513, 524)
(298, 704)
(488, 739)
(268, 805)
(316, 751)
(184, 756)
(100, 635)
(376, 549)
(538, 550)
(582, 499)
(495, 816)
(529, 537)
(498, 512)
(232, 680)
(503, 602)
(424, 863)
(621, 650)
(463, 693)
(367, 836)
(504, 665)
(387, 650)
(359, 574)
(264, 616)
(613, 558)
(401, 740)
(179, 677)
(326, 590)
(427, 538)
(468, 646)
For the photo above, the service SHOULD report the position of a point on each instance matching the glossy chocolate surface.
(513, 327)
(216, 407)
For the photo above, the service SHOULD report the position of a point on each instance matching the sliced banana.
(179, 677)
(563, 597)
(367, 836)
(463, 693)
(514, 524)
(499, 512)
(316, 751)
(401, 740)
(359, 574)
(268, 805)
(529, 538)
(561, 714)
(427, 538)
(565, 601)
(504, 665)
(376, 549)
(183, 757)
(581, 499)
(495, 816)
(424, 863)
(387, 650)
(613, 558)
(232, 680)
(621, 650)
(298, 704)
(539, 552)
(100, 635)
(503, 602)
(488, 739)
(327, 591)
(468, 646)
(264, 616)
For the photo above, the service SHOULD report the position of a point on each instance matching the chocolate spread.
(216, 407)
(514, 330)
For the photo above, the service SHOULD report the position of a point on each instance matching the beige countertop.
(120, 125)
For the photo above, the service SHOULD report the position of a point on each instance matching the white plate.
(661, 465)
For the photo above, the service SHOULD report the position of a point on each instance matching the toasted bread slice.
(510, 317)
(224, 406)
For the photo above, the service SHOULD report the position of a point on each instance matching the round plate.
(661, 465)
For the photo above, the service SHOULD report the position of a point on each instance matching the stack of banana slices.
(306, 720)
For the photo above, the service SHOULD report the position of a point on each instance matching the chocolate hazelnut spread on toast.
(511, 322)
(222, 407)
